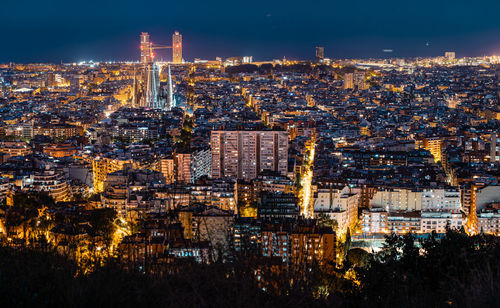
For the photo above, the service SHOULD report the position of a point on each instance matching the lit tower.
(177, 47)
(151, 75)
(146, 50)
(320, 54)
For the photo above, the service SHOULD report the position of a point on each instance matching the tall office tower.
(320, 54)
(146, 50)
(177, 47)
(450, 55)
(349, 81)
(244, 154)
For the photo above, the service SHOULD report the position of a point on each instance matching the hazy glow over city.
(281, 154)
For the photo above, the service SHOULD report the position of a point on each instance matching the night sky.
(57, 30)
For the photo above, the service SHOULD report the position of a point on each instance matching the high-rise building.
(320, 54)
(200, 164)
(244, 154)
(359, 80)
(177, 47)
(146, 50)
(166, 167)
(450, 55)
(182, 167)
(349, 81)
(355, 80)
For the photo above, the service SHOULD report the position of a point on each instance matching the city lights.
(248, 160)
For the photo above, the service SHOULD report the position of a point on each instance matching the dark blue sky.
(55, 30)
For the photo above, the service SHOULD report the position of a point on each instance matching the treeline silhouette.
(455, 270)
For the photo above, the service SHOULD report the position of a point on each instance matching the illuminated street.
(249, 154)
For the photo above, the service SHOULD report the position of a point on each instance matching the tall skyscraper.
(320, 54)
(244, 154)
(177, 47)
(146, 50)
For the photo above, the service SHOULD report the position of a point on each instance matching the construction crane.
(152, 47)
(157, 47)
(160, 47)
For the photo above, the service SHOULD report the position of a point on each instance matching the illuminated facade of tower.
(245, 154)
(320, 54)
(151, 75)
(177, 47)
(146, 50)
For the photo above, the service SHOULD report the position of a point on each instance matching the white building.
(201, 164)
(438, 221)
(374, 221)
(338, 203)
(486, 196)
(489, 222)
(397, 199)
(403, 199)
(441, 200)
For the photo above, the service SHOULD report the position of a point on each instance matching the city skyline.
(250, 154)
(265, 31)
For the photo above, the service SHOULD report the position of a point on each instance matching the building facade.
(244, 154)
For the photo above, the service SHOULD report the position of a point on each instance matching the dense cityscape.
(280, 167)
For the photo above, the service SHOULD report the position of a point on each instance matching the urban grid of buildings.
(286, 158)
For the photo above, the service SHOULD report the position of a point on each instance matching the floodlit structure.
(148, 95)
(177, 48)
(320, 54)
(152, 87)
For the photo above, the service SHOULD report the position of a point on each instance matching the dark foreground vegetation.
(455, 271)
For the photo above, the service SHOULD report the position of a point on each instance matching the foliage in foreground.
(455, 271)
